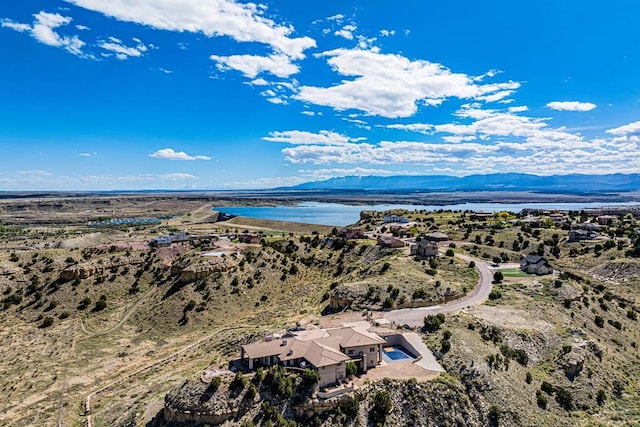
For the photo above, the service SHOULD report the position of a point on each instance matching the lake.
(341, 215)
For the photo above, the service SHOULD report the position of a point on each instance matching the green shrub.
(541, 399)
(351, 368)
(380, 408)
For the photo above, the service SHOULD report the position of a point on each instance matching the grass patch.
(513, 272)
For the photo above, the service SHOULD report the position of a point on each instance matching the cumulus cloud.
(518, 109)
(171, 154)
(296, 137)
(413, 127)
(571, 106)
(252, 65)
(346, 32)
(116, 47)
(176, 176)
(628, 129)
(482, 141)
(43, 30)
(390, 85)
(243, 22)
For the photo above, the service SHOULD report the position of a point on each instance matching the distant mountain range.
(575, 183)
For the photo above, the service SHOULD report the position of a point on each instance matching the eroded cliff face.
(192, 270)
(436, 403)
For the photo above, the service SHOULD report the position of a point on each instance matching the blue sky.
(220, 94)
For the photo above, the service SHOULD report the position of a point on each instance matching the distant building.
(578, 235)
(480, 216)
(390, 242)
(557, 217)
(424, 248)
(606, 219)
(436, 236)
(589, 226)
(392, 218)
(535, 264)
(251, 239)
(351, 233)
(167, 240)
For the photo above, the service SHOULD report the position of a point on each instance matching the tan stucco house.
(326, 350)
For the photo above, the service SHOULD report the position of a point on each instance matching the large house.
(167, 240)
(351, 233)
(393, 218)
(326, 350)
(250, 239)
(424, 248)
(578, 235)
(535, 264)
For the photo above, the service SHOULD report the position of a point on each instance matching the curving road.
(415, 316)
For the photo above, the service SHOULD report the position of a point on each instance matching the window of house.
(350, 352)
(372, 349)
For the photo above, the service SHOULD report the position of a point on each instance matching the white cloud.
(571, 106)
(495, 96)
(176, 176)
(16, 26)
(626, 130)
(116, 47)
(82, 28)
(171, 154)
(338, 18)
(346, 32)
(518, 109)
(391, 85)
(485, 141)
(259, 82)
(252, 65)
(297, 137)
(243, 22)
(413, 127)
(387, 33)
(43, 28)
(34, 172)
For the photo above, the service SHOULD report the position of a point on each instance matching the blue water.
(395, 354)
(340, 215)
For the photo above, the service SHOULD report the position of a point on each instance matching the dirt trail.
(138, 371)
(126, 317)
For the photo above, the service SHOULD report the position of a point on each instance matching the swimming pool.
(395, 354)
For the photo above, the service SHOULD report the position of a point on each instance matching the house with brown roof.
(351, 233)
(325, 350)
(249, 238)
(436, 236)
(424, 248)
(390, 242)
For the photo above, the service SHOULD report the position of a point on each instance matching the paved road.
(415, 316)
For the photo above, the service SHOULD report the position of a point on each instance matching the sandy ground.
(508, 317)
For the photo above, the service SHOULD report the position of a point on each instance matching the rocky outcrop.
(616, 271)
(199, 271)
(86, 270)
(572, 362)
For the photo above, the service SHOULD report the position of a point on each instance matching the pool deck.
(428, 360)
